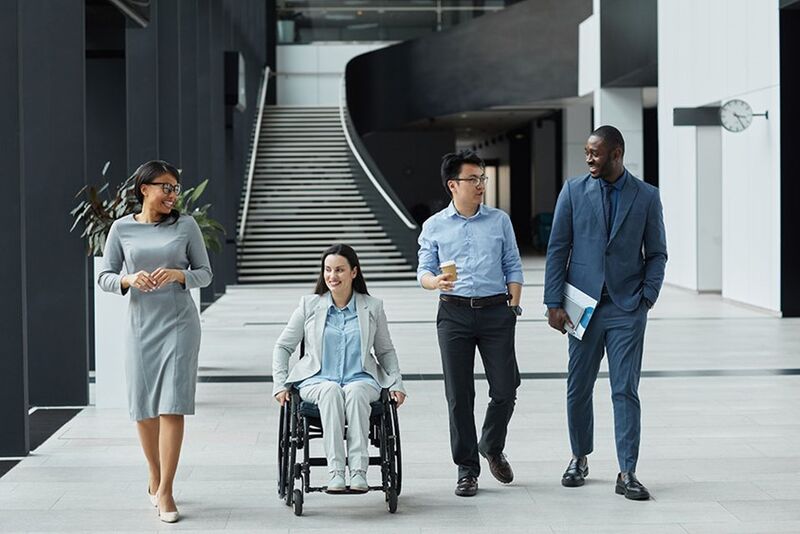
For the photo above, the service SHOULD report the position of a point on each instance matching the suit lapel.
(319, 321)
(626, 198)
(596, 200)
(363, 322)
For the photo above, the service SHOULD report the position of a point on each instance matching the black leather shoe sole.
(468, 491)
(573, 481)
(632, 495)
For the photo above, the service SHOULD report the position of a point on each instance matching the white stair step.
(313, 263)
(302, 254)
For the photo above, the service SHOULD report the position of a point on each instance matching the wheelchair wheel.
(283, 452)
(397, 458)
(298, 502)
(291, 457)
(391, 501)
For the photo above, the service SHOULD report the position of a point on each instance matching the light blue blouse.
(341, 348)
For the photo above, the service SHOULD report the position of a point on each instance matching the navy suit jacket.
(630, 261)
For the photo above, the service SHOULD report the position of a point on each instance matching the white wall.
(711, 51)
(309, 75)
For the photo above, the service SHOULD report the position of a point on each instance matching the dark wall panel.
(169, 81)
(52, 95)
(106, 138)
(410, 161)
(520, 163)
(13, 358)
(790, 138)
(523, 54)
(141, 81)
(629, 43)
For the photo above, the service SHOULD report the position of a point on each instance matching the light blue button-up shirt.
(341, 348)
(483, 247)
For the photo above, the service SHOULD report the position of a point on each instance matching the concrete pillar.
(622, 108)
(577, 126)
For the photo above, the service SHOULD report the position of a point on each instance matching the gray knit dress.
(163, 331)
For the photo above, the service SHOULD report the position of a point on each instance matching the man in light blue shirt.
(478, 307)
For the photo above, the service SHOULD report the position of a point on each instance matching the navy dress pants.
(491, 329)
(620, 334)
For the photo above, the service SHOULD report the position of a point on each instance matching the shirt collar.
(350, 305)
(451, 211)
(619, 184)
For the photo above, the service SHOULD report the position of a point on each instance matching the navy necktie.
(607, 207)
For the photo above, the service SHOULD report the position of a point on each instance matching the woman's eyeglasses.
(168, 188)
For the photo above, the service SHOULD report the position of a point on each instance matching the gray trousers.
(338, 405)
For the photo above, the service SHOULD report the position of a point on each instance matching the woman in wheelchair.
(340, 324)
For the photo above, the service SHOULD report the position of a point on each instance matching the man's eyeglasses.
(477, 181)
(168, 188)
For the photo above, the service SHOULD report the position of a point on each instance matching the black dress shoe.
(576, 473)
(629, 485)
(500, 468)
(467, 486)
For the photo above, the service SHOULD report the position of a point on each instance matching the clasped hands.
(146, 282)
(398, 396)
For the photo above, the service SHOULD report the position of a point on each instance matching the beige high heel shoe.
(153, 498)
(168, 517)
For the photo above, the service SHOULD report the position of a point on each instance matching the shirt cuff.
(515, 277)
(420, 274)
(551, 305)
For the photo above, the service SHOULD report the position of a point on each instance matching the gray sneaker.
(336, 483)
(358, 481)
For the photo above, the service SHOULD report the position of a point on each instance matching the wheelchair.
(300, 423)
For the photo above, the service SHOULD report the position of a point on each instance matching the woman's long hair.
(147, 173)
(340, 249)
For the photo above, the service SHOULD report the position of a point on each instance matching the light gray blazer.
(308, 321)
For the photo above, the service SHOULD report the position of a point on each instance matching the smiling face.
(603, 161)
(156, 199)
(339, 275)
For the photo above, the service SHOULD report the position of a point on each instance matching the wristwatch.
(517, 310)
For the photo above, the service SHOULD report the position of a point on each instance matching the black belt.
(478, 302)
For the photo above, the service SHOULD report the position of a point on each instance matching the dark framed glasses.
(477, 181)
(168, 188)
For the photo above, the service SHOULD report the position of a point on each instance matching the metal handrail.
(251, 171)
(342, 111)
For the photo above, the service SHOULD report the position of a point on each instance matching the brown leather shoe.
(467, 486)
(500, 468)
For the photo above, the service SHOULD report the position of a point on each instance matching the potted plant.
(96, 212)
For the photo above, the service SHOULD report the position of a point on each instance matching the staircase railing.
(396, 220)
(262, 95)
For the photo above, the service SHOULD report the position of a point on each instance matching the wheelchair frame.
(297, 430)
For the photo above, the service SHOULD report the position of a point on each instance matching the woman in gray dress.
(164, 255)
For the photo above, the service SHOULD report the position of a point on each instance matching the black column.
(141, 83)
(13, 360)
(52, 93)
(187, 61)
(790, 137)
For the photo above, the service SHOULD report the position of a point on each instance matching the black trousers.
(460, 329)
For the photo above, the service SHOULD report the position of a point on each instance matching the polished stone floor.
(720, 398)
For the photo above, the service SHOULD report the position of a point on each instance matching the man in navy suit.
(608, 241)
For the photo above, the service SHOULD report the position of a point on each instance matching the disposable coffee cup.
(449, 267)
